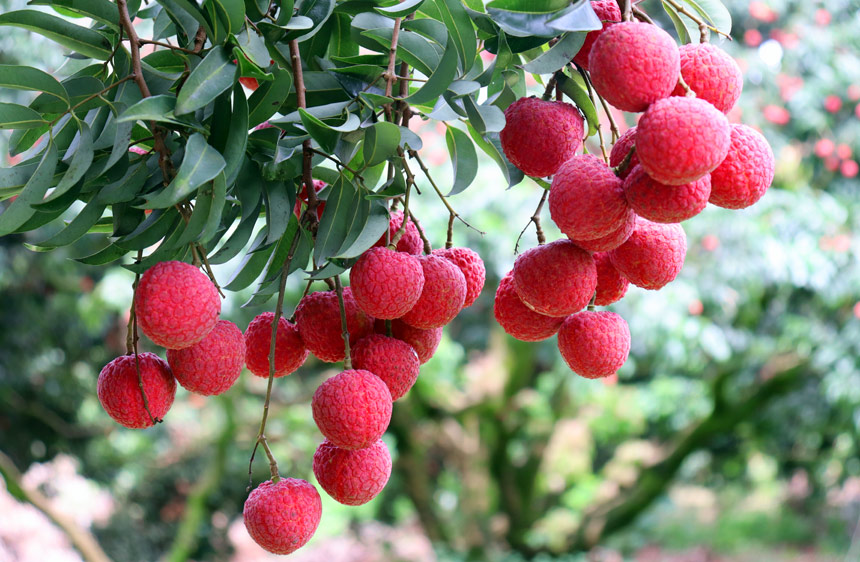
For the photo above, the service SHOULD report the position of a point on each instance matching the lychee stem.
(535, 218)
(588, 85)
(449, 238)
(427, 247)
(347, 360)
(622, 167)
(681, 9)
(310, 216)
(131, 341)
(414, 154)
(392, 244)
(626, 7)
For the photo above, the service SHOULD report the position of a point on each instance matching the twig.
(414, 154)
(347, 360)
(199, 39)
(535, 218)
(642, 16)
(338, 163)
(392, 243)
(681, 9)
(626, 10)
(390, 76)
(622, 167)
(550, 86)
(104, 90)
(449, 235)
(310, 216)
(597, 125)
(131, 341)
(613, 126)
(208, 268)
(688, 92)
(428, 248)
(169, 46)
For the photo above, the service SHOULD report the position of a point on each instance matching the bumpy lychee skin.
(119, 392)
(712, 74)
(653, 255)
(318, 319)
(609, 13)
(679, 140)
(518, 320)
(634, 64)
(659, 202)
(586, 200)
(443, 295)
(213, 364)
(352, 477)
(424, 342)
(472, 266)
(392, 360)
(290, 350)
(556, 279)
(176, 304)
(620, 149)
(282, 517)
(611, 240)
(410, 242)
(386, 284)
(539, 136)
(594, 344)
(611, 285)
(746, 173)
(352, 409)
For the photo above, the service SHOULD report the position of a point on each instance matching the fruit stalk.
(131, 341)
(347, 360)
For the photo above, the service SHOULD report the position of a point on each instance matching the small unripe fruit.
(352, 409)
(472, 266)
(282, 517)
(318, 320)
(556, 279)
(659, 202)
(712, 74)
(539, 136)
(611, 240)
(392, 360)
(302, 199)
(611, 285)
(119, 392)
(594, 344)
(609, 13)
(442, 297)
(352, 477)
(410, 242)
(290, 351)
(213, 364)
(621, 148)
(653, 255)
(746, 172)
(424, 342)
(518, 320)
(386, 284)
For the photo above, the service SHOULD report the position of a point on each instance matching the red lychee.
(386, 284)
(609, 13)
(290, 350)
(634, 64)
(745, 173)
(352, 477)
(594, 344)
(712, 74)
(556, 279)
(517, 319)
(653, 255)
(392, 360)
(176, 304)
(282, 517)
(318, 320)
(213, 364)
(472, 266)
(352, 409)
(249, 82)
(611, 285)
(586, 199)
(443, 295)
(679, 140)
(302, 199)
(119, 393)
(410, 242)
(620, 149)
(424, 342)
(611, 240)
(659, 202)
(539, 136)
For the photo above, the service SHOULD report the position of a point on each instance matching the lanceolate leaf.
(29, 78)
(100, 10)
(266, 99)
(400, 10)
(558, 55)
(80, 162)
(211, 77)
(341, 210)
(83, 40)
(14, 116)
(460, 30)
(380, 142)
(79, 226)
(200, 164)
(439, 81)
(577, 92)
(464, 159)
(20, 210)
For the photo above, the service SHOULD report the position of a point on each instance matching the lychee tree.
(278, 133)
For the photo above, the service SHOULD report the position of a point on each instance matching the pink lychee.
(424, 342)
(352, 409)
(290, 351)
(659, 202)
(745, 173)
(386, 284)
(213, 364)
(653, 255)
(539, 136)
(352, 477)
(518, 320)
(392, 360)
(712, 74)
(410, 242)
(442, 297)
(472, 266)
(594, 344)
(611, 285)
(282, 517)
(318, 320)
(609, 13)
(556, 279)
(119, 390)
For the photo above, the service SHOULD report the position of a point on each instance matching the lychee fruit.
(213, 364)
(424, 342)
(746, 172)
(352, 409)
(410, 242)
(634, 64)
(712, 74)
(586, 200)
(594, 344)
(386, 284)
(472, 266)
(611, 285)
(119, 391)
(290, 350)
(249, 82)
(653, 255)
(556, 279)
(611, 240)
(518, 320)
(282, 517)
(621, 148)
(392, 360)
(443, 295)
(302, 199)
(659, 202)
(176, 304)
(318, 320)
(352, 477)
(539, 136)
(679, 140)
(609, 13)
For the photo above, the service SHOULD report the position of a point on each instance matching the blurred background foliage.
(731, 434)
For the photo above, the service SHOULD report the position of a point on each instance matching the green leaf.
(485, 118)
(188, 16)
(200, 164)
(80, 225)
(464, 159)
(29, 78)
(22, 140)
(14, 116)
(253, 46)
(366, 231)
(380, 142)
(151, 230)
(492, 146)
(81, 90)
(251, 267)
(460, 30)
(576, 91)
(104, 256)
(266, 99)
(100, 10)
(687, 31)
(529, 6)
(532, 20)
(126, 188)
(211, 77)
(81, 160)
(20, 210)
(87, 42)
(400, 10)
(237, 136)
(420, 52)
(318, 11)
(154, 108)
(340, 212)
(239, 238)
(280, 200)
(319, 131)
(439, 81)
(328, 270)
(230, 14)
(578, 17)
(714, 12)
(558, 55)
(122, 136)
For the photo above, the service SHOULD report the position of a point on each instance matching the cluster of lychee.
(622, 222)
